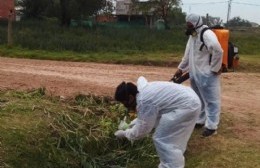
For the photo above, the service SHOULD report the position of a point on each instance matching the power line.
(243, 3)
(219, 2)
(204, 3)
(229, 3)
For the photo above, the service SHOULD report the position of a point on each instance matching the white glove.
(120, 134)
(123, 124)
(132, 123)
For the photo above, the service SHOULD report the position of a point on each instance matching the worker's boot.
(208, 132)
(199, 126)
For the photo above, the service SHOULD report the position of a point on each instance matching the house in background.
(127, 12)
(123, 7)
(253, 24)
(6, 7)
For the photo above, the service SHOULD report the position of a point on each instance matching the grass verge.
(41, 131)
(247, 63)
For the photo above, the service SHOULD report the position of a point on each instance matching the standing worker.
(204, 66)
(170, 108)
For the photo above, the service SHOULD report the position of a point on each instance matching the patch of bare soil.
(240, 91)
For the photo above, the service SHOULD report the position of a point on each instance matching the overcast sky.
(245, 9)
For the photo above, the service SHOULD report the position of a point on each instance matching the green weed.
(41, 131)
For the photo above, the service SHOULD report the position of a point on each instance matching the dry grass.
(41, 131)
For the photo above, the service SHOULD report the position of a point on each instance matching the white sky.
(245, 9)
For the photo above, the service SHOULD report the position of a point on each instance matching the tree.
(33, 8)
(79, 9)
(108, 8)
(165, 6)
(65, 10)
(176, 17)
(237, 22)
(160, 8)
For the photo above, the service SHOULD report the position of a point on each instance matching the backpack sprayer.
(181, 79)
(230, 55)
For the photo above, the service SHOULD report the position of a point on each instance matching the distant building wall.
(254, 24)
(123, 7)
(126, 7)
(5, 7)
(106, 18)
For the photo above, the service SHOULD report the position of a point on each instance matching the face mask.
(191, 31)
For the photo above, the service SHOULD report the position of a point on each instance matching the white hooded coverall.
(170, 108)
(203, 81)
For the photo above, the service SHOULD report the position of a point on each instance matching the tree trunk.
(65, 14)
(10, 29)
(151, 21)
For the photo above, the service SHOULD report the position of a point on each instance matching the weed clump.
(88, 134)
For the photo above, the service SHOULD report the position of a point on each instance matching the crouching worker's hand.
(132, 123)
(120, 134)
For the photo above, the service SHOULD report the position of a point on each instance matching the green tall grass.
(114, 44)
(41, 131)
(247, 40)
(50, 36)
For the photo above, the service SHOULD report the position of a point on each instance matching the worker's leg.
(202, 117)
(211, 94)
(172, 134)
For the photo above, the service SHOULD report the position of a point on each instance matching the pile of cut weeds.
(42, 131)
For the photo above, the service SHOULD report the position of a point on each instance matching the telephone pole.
(229, 10)
(10, 28)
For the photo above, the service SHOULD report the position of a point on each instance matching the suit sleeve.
(184, 65)
(214, 47)
(146, 119)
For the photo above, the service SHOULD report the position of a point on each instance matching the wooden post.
(207, 19)
(10, 29)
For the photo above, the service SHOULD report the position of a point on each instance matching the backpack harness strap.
(203, 44)
(201, 37)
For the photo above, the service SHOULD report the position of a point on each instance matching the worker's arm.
(183, 66)
(214, 47)
(146, 119)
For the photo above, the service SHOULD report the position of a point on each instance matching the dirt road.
(240, 91)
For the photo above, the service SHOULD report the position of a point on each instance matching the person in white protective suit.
(172, 109)
(204, 67)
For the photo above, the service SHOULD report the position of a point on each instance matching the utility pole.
(207, 19)
(10, 28)
(229, 10)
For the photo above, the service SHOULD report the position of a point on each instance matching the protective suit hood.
(195, 20)
(141, 83)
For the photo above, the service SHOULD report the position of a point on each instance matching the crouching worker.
(170, 108)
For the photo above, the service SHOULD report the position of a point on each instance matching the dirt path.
(240, 91)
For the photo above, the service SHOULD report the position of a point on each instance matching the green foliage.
(48, 36)
(65, 10)
(79, 9)
(247, 40)
(34, 9)
(176, 17)
(161, 9)
(41, 131)
(238, 22)
(110, 44)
